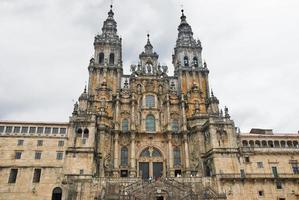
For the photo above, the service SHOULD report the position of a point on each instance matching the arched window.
(79, 132)
(150, 124)
(124, 156)
(156, 153)
(186, 61)
(86, 133)
(195, 62)
(150, 101)
(177, 156)
(125, 125)
(145, 153)
(111, 59)
(57, 193)
(101, 58)
(175, 125)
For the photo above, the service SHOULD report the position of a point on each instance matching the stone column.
(170, 153)
(133, 126)
(116, 147)
(187, 162)
(117, 127)
(133, 156)
(184, 127)
(168, 113)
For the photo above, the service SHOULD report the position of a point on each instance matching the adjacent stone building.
(146, 135)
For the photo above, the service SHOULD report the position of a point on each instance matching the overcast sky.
(251, 48)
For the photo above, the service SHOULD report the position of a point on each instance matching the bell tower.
(106, 65)
(191, 72)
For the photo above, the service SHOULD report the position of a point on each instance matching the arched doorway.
(151, 163)
(57, 193)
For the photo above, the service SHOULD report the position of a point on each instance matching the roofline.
(34, 122)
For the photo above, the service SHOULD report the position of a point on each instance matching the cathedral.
(146, 135)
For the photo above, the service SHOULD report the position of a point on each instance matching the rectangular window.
(274, 171)
(278, 185)
(24, 129)
(242, 173)
(8, 129)
(38, 155)
(247, 159)
(150, 101)
(32, 129)
(48, 130)
(60, 143)
(16, 129)
(260, 165)
(295, 168)
(13, 176)
(18, 155)
(20, 142)
(1, 129)
(81, 171)
(40, 142)
(36, 175)
(40, 129)
(62, 130)
(59, 155)
(55, 130)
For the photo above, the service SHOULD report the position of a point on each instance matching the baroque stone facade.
(146, 135)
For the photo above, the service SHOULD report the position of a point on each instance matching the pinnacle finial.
(212, 93)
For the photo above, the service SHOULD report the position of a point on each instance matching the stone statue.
(165, 68)
(133, 68)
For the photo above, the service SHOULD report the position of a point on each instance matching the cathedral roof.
(109, 30)
(185, 35)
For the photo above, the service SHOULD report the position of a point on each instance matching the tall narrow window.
(13, 176)
(177, 156)
(124, 156)
(86, 133)
(36, 175)
(195, 62)
(111, 59)
(186, 61)
(125, 125)
(150, 123)
(295, 168)
(175, 125)
(274, 171)
(101, 58)
(150, 101)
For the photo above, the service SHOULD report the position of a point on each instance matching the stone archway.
(57, 193)
(151, 163)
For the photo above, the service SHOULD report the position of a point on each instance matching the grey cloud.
(250, 47)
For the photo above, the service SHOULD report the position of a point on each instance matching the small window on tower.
(186, 61)
(195, 62)
(101, 58)
(111, 59)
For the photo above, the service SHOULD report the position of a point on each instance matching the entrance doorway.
(144, 170)
(159, 198)
(157, 170)
(151, 163)
(57, 193)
